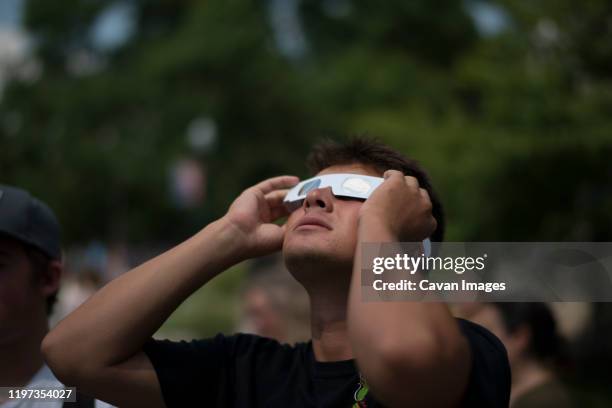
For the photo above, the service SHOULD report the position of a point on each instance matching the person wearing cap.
(30, 272)
(361, 354)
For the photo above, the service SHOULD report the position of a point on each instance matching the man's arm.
(98, 347)
(410, 353)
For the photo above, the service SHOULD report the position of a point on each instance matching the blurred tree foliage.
(513, 125)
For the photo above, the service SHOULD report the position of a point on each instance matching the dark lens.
(311, 185)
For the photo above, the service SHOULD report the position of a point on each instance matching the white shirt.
(44, 379)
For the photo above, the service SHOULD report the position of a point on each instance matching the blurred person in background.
(77, 289)
(274, 305)
(405, 353)
(30, 272)
(535, 348)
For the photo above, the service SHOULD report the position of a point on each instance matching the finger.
(276, 183)
(411, 181)
(426, 200)
(276, 205)
(276, 197)
(270, 237)
(425, 195)
(393, 177)
(392, 174)
(278, 212)
(433, 226)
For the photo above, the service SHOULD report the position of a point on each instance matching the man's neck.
(21, 357)
(330, 340)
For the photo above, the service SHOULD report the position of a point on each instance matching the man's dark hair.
(381, 157)
(545, 344)
(39, 262)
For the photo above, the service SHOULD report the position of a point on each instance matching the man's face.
(22, 299)
(324, 228)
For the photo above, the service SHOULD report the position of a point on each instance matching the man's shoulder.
(485, 347)
(478, 333)
(489, 380)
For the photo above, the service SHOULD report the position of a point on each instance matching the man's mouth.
(310, 222)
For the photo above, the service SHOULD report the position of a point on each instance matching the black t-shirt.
(251, 371)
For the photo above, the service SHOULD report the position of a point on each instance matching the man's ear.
(521, 338)
(50, 279)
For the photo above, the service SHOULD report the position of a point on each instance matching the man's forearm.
(396, 340)
(115, 322)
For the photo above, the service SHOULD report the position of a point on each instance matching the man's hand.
(254, 212)
(399, 208)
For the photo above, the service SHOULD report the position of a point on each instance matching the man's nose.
(320, 198)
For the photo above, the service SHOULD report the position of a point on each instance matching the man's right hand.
(253, 213)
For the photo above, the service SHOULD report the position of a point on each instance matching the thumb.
(271, 237)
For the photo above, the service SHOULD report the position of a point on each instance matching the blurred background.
(139, 122)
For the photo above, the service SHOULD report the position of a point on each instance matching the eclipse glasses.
(342, 185)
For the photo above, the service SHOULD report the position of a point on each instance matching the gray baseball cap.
(29, 220)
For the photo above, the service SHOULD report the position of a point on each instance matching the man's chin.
(307, 246)
(317, 269)
(314, 255)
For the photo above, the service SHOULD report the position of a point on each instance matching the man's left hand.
(399, 208)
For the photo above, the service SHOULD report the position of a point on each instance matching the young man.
(535, 351)
(30, 271)
(409, 354)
